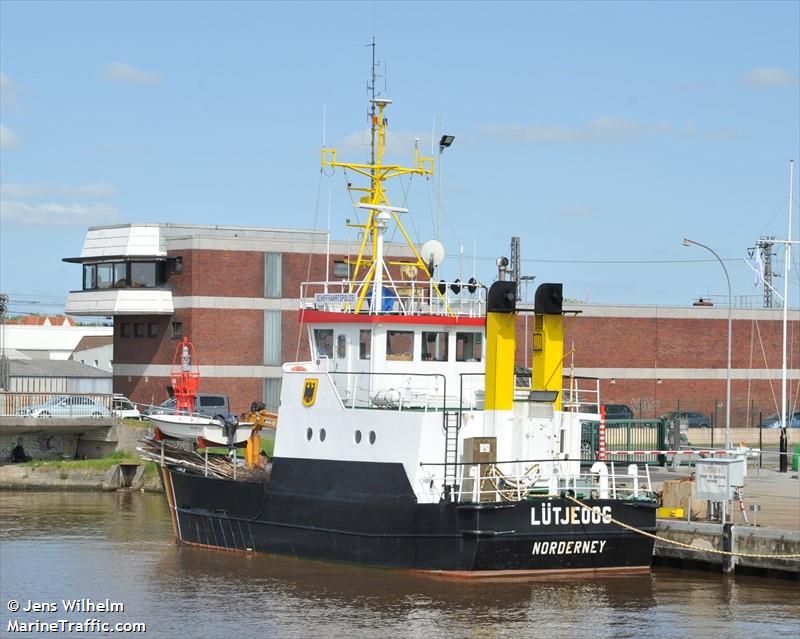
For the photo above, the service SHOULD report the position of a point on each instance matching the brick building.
(236, 293)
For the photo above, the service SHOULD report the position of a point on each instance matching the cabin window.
(469, 347)
(89, 276)
(143, 274)
(105, 275)
(434, 346)
(323, 342)
(364, 344)
(341, 346)
(120, 274)
(399, 346)
(341, 269)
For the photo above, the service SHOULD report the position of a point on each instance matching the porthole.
(357, 437)
(309, 434)
(372, 437)
(322, 434)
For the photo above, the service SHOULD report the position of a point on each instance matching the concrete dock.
(770, 533)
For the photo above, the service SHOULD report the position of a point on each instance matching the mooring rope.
(683, 545)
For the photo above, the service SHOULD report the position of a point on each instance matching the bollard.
(783, 462)
(728, 561)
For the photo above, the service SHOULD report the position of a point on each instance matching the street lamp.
(730, 310)
(444, 143)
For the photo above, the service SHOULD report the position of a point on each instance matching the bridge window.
(469, 347)
(341, 346)
(399, 346)
(323, 342)
(434, 346)
(364, 344)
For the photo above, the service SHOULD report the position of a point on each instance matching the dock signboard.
(715, 479)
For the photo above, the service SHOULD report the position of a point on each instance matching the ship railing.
(582, 395)
(405, 297)
(534, 479)
(392, 391)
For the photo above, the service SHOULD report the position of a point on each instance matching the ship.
(406, 440)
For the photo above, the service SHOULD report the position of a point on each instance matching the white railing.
(55, 405)
(392, 391)
(399, 298)
(515, 481)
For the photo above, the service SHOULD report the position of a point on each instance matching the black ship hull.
(366, 513)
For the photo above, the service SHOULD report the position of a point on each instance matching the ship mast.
(369, 264)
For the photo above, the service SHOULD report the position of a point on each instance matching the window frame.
(405, 356)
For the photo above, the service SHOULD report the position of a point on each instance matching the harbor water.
(94, 548)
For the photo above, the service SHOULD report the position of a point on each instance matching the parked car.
(205, 404)
(693, 419)
(124, 408)
(66, 406)
(618, 411)
(774, 421)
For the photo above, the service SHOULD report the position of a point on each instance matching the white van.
(124, 408)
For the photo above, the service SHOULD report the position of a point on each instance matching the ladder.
(452, 424)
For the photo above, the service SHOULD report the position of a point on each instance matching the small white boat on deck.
(195, 427)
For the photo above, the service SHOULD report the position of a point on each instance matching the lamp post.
(444, 143)
(730, 310)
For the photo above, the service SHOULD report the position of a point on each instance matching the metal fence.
(744, 413)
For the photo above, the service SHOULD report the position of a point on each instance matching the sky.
(600, 133)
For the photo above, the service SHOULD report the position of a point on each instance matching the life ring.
(297, 368)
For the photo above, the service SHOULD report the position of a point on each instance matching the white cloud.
(54, 214)
(8, 139)
(599, 130)
(92, 191)
(9, 93)
(768, 77)
(121, 73)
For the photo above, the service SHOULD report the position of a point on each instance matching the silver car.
(66, 406)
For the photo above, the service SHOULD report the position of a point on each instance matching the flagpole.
(786, 266)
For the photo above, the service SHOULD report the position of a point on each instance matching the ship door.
(341, 357)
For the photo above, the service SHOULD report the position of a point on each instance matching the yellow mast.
(376, 201)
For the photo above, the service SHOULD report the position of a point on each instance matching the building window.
(341, 269)
(143, 274)
(399, 346)
(469, 347)
(434, 346)
(177, 330)
(273, 274)
(364, 344)
(152, 329)
(272, 393)
(120, 275)
(272, 337)
(341, 346)
(323, 342)
(138, 329)
(105, 275)
(89, 276)
(125, 329)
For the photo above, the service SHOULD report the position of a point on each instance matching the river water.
(119, 546)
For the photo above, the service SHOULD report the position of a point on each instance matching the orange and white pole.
(601, 436)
